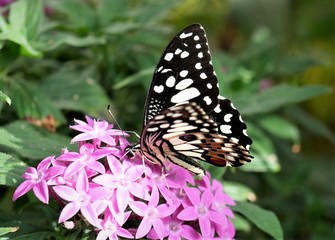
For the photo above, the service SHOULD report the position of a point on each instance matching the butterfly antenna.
(112, 115)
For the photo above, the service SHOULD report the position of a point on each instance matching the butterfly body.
(185, 119)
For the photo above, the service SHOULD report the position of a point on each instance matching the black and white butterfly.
(185, 118)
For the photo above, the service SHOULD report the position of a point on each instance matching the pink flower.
(110, 229)
(78, 199)
(87, 157)
(176, 229)
(36, 180)
(200, 209)
(114, 193)
(152, 214)
(97, 130)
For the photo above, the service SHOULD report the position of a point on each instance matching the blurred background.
(65, 59)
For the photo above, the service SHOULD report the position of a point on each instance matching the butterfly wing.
(185, 119)
(183, 134)
(184, 73)
(230, 122)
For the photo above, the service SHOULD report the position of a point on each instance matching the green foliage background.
(274, 60)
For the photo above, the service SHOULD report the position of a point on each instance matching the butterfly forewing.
(184, 73)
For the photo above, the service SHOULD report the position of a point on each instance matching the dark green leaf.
(36, 221)
(72, 90)
(276, 97)
(312, 124)
(263, 219)
(265, 158)
(32, 142)
(280, 127)
(11, 169)
(29, 101)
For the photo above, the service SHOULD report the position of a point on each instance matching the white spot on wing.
(168, 56)
(170, 82)
(196, 38)
(225, 129)
(184, 54)
(185, 35)
(245, 132)
(185, 95)
(166, 70)
(203, 75)
(207, 100)
(159, 89)
(184, 84)
(177, 51)
(227, 117)
(198, 46)
(183, 73)
(198, 66)
(209, 86)
(200, 55)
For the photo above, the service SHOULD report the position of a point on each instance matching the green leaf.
(240, 223)
(72, 90)
(78, 14)
(265, 158)
(137, 77)
(280, 127)
(312, 124)
(29, 101)
(35, 221)
(32, 142)
(11, 169)
(5, 98)
(17, 15)
(34, 18)
(49, 42)
(16, 30)
(238, 191)
(109, 10)
(265, 220)
(5, 230)
(276, 97)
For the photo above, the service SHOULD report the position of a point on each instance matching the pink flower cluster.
(128, 198)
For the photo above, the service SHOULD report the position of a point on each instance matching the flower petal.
(159, 228)
(22, 189)
(205, 226)
(138, 207)
(143, 228)
(68, 211)
(188, 214)
(90, 214)
(67, 193)
(41, 191)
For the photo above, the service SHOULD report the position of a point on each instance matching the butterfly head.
(133, 150)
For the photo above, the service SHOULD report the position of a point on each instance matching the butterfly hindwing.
(184, 73)
(230, 122)
(184, 133)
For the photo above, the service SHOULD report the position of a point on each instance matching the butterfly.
(185, 119)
